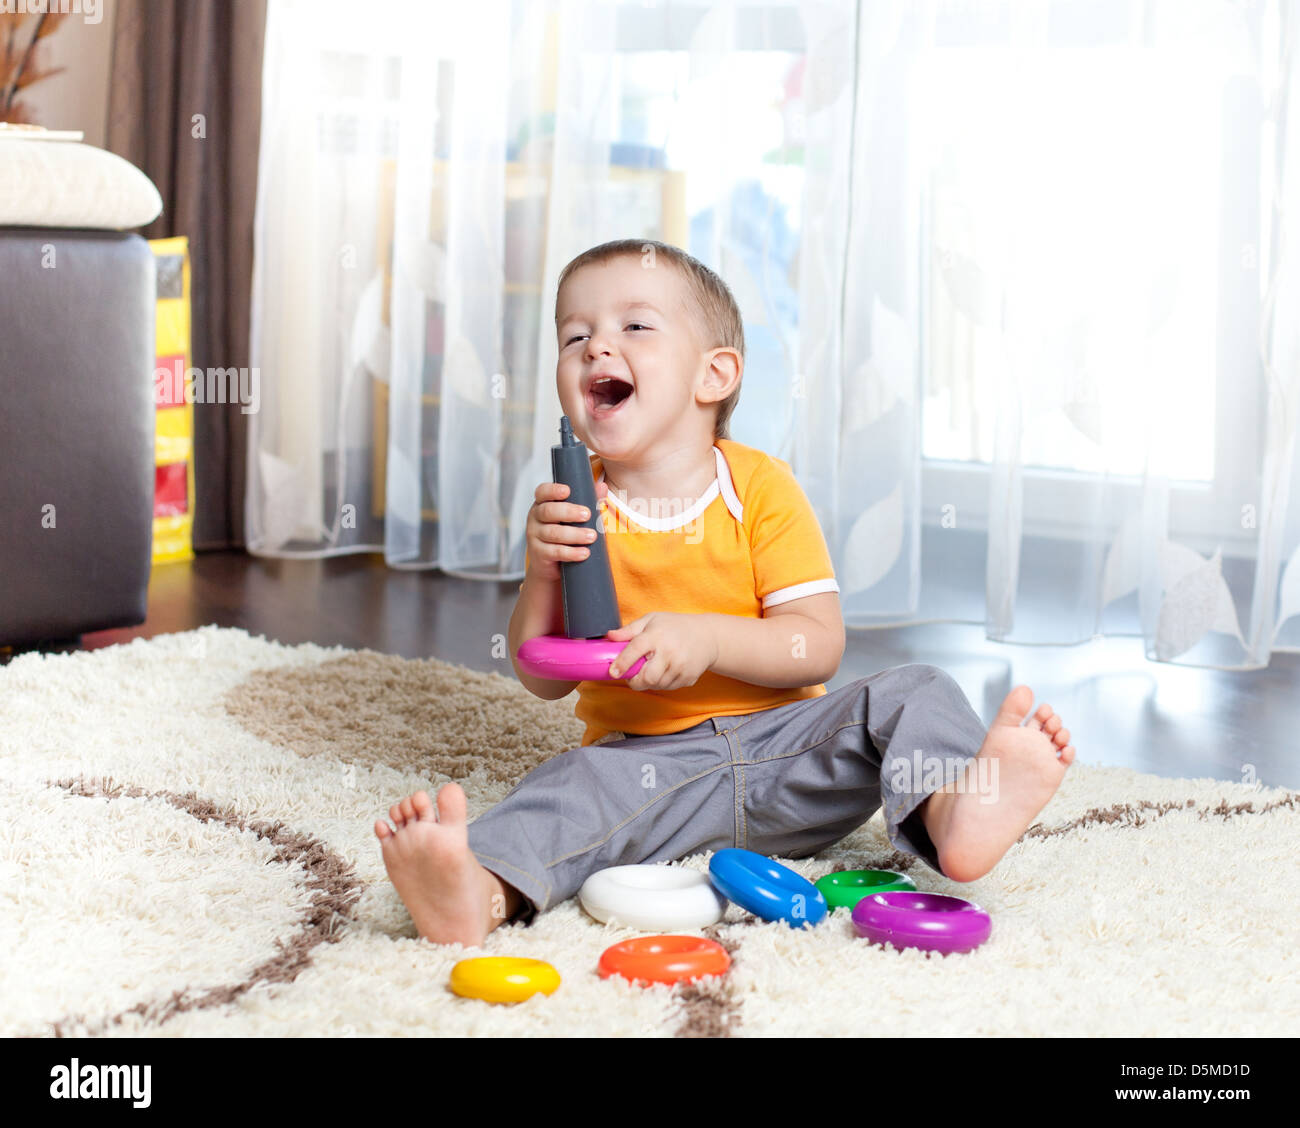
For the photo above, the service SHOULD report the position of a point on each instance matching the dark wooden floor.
(1120, 708)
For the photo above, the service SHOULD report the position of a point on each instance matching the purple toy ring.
(933, 921)
(573, 659)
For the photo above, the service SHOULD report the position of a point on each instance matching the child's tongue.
(612, 397)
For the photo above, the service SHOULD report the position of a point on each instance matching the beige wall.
(77, 98)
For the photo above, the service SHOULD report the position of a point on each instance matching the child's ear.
(723, 374)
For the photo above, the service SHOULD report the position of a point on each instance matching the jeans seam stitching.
(548, 886)
(746, 721)
(810, 747)
(744, 820)
(737, 803)
(639, 811)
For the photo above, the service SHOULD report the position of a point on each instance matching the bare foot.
(451, 898)
(975, 820)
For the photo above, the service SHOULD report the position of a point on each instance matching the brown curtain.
(185, 106)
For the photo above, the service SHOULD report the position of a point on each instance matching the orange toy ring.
(664, 959)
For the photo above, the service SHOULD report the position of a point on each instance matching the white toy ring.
(652, 898)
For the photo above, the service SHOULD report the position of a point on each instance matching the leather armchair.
(76, 431)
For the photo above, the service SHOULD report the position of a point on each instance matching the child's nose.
(598, 345)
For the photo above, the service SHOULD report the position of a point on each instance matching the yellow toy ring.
(503, 979)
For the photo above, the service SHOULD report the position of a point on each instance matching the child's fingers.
(636, 626)
(552, 513)
(565, 534)
(626, 660)
(626, 633)
(645, 677)
(550, 491)
(552, 507)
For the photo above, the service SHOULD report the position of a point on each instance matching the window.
(1089, 230)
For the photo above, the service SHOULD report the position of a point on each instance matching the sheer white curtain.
(1018, 279)
(1066, 392)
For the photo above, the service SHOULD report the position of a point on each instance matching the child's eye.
(579, 336)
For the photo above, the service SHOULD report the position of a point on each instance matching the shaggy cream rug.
(186, 849)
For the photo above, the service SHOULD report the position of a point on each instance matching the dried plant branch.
(18, 69)
(49, 24)
(26, 78)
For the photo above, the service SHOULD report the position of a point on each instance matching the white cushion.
(65, 184)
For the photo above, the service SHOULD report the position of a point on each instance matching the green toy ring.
(845, 889)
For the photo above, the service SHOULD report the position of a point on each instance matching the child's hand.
(551, 536)
(681, 648)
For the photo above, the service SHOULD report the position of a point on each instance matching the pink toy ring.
(573, 659)
(922, 920)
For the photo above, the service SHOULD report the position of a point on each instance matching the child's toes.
(1052, 725)
(423, 806)
(408, 809)
(395, 813)
(1062, 738)
(1067, 755)
(452, 806)
(1041, 716)
(382, 831)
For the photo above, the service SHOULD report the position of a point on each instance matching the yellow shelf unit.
(173, 521)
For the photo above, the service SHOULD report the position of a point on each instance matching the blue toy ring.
(766, 888)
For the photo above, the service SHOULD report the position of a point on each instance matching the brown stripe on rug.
(709, 1006)
(1137, 814)
(1118, 814)
(332, 880)
(897, 862)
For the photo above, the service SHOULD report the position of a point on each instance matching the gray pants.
(784, 782)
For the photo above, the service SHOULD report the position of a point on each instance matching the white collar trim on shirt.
(721, 484)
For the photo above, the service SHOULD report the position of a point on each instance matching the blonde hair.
(717, 314)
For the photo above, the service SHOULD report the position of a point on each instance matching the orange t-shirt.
(751, 541)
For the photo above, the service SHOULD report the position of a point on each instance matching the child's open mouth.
(607, 394)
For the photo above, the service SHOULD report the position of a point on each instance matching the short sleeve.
(786, 544)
